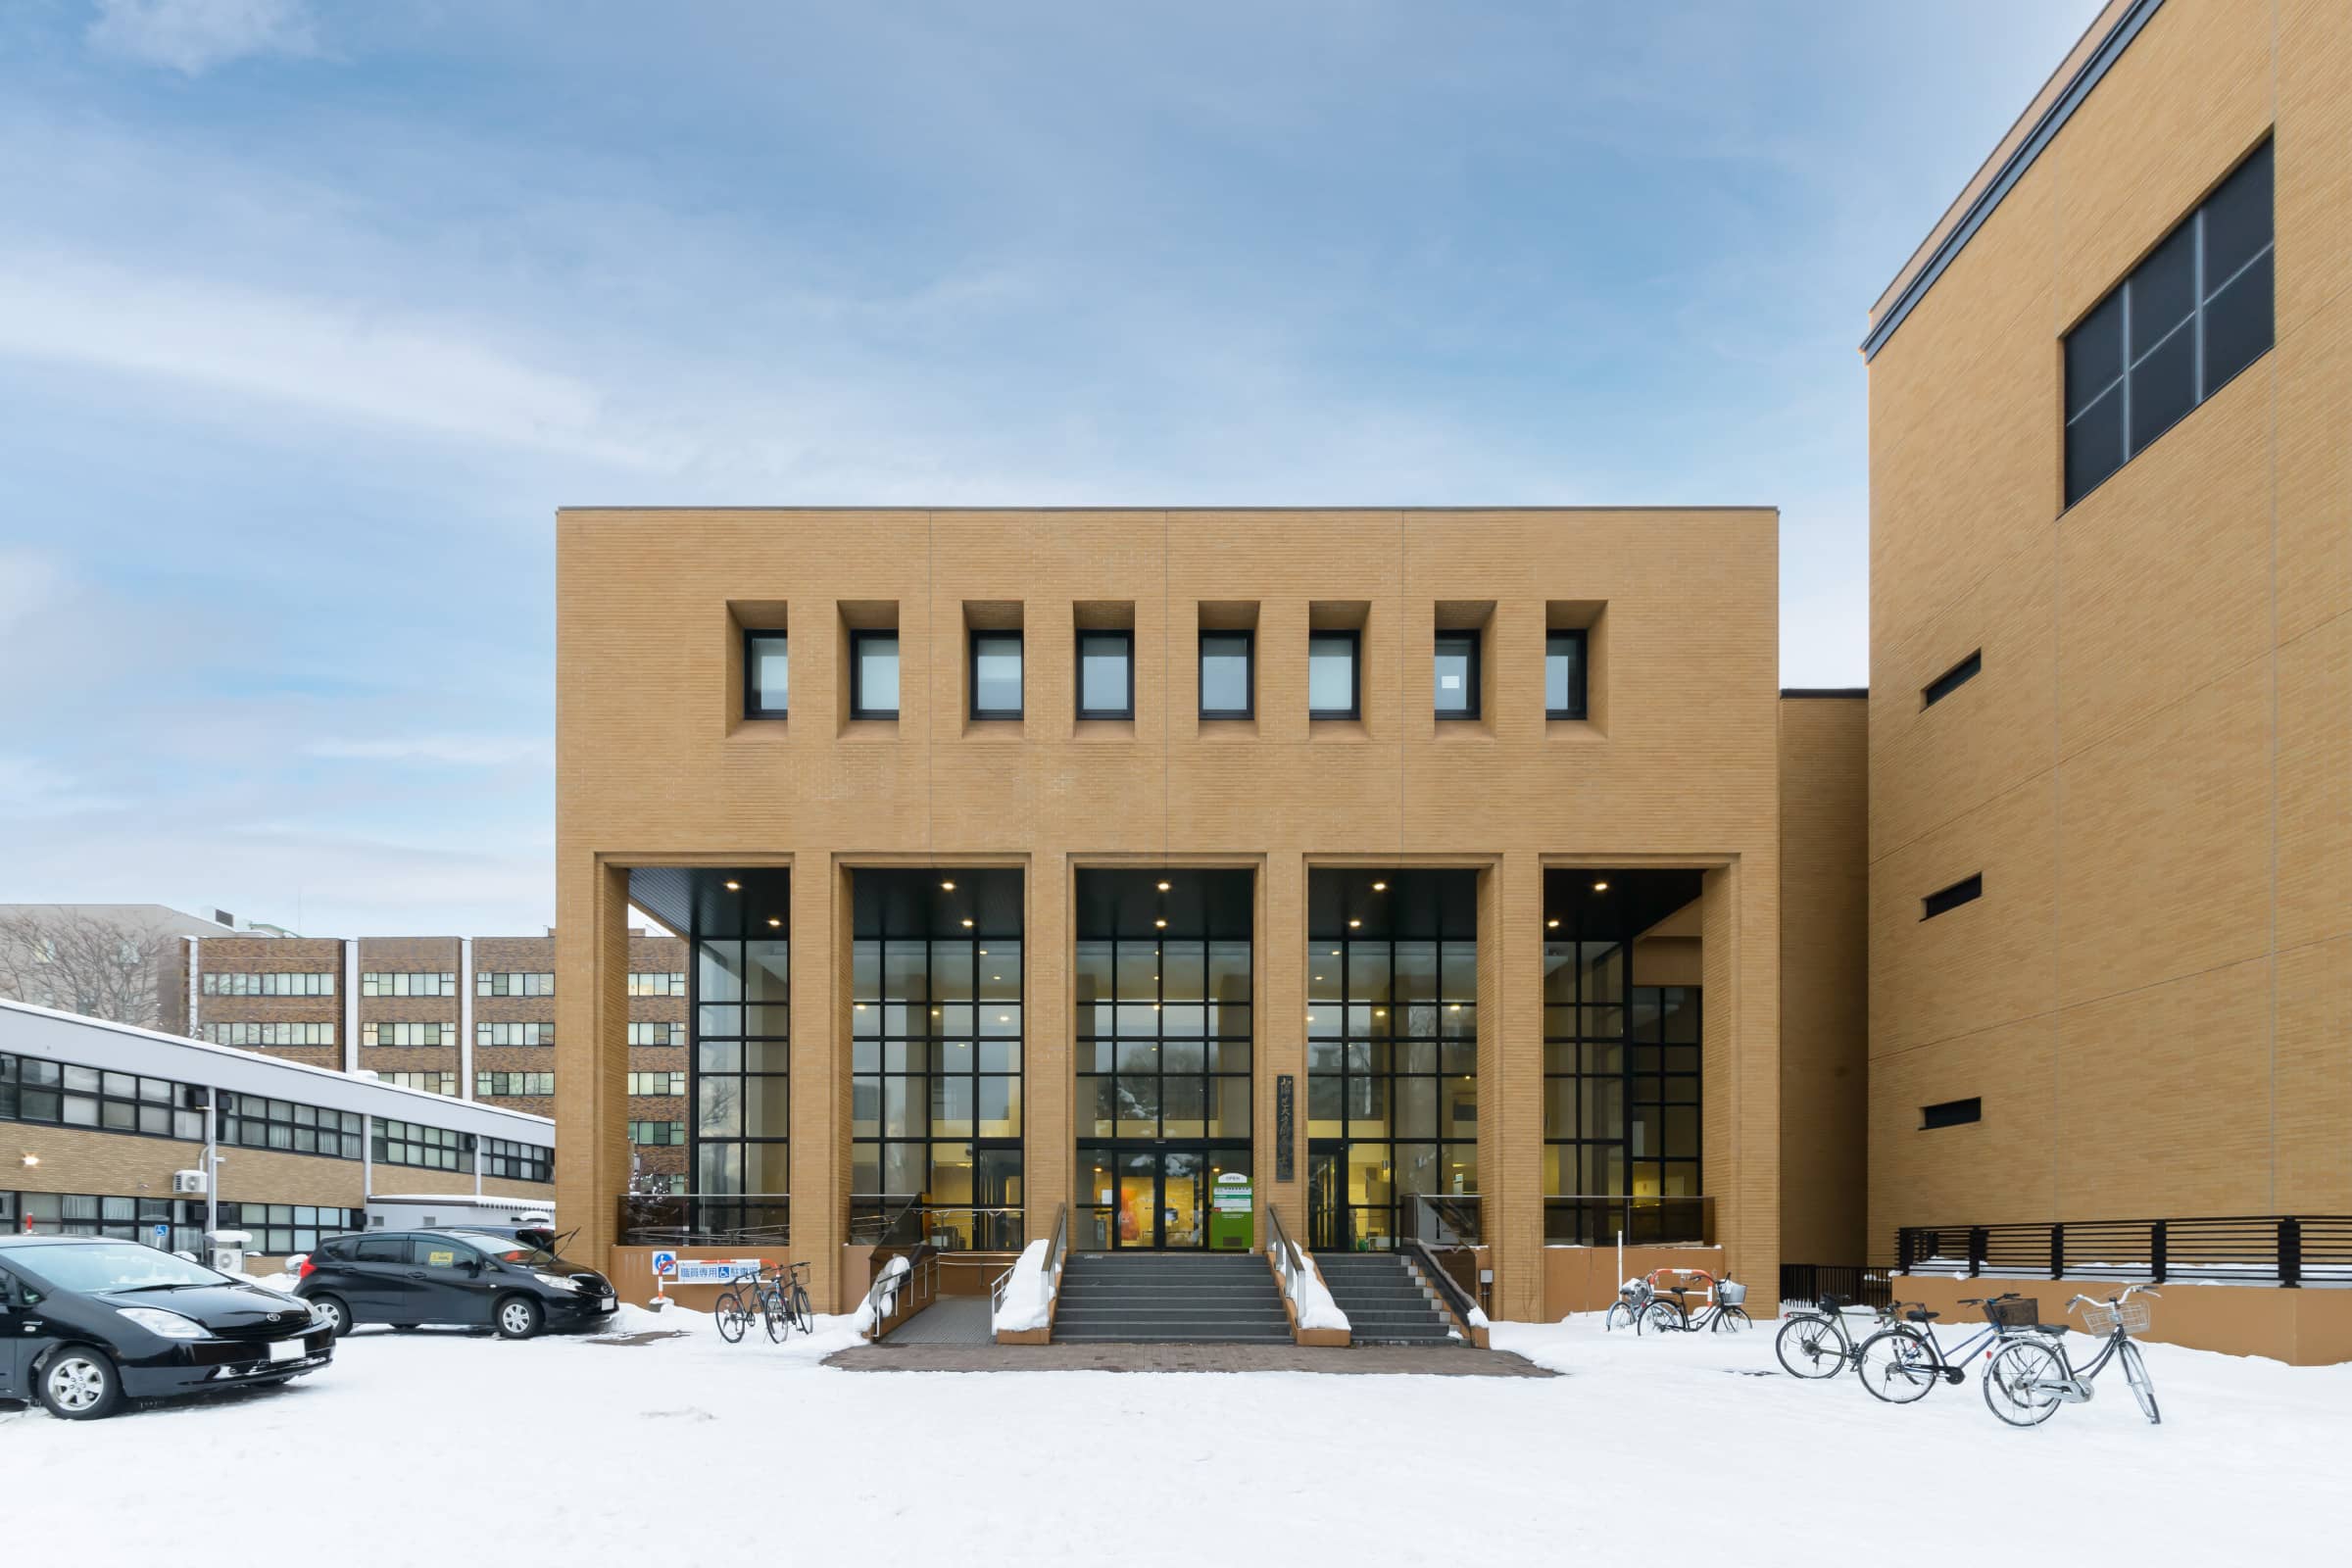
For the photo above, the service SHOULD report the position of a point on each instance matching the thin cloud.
(194, 36)
(439, 750)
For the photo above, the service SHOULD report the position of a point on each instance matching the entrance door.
(1137, 1223)
(1163, 1201)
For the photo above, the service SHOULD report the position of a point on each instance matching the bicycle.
(779, 1299)
(2027, 1381)
(1900, 1365)
(1633, 1300)
(1724, 1314)
(1814, 1342)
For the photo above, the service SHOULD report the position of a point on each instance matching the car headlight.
(554, 1282)
(165, 1325)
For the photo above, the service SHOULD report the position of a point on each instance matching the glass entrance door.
(1137, 1223)
(1163, 1198)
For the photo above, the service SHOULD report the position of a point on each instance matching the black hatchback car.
(465, 1278)
(86, 1323)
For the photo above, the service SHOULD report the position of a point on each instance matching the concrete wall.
(1677, 766)
(2300, 1327)
(2153, 773)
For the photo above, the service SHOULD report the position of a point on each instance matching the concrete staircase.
(1386, 1299)
(1183, 1297)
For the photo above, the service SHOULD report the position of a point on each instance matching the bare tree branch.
(87, 963)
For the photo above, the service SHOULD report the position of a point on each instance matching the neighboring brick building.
(2111, 717)
(472, 1018)
(1375, 856)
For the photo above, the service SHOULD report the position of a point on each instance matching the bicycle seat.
(1833, 1305)
(1922, 1315)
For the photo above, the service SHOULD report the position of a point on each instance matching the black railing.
(1447, 1219)
(2286, 1249)
(693, 1219)
(1850, 1282)
(877, 1219)
(1601, 1221)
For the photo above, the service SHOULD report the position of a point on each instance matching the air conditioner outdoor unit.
(188, 1181)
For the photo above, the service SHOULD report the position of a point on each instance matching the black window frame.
(1968, 890)
(1354, 638)
(512, 1083)
(1580, 679)
(1248, 641)
(2202, 297)
(1951, 1114)
(1952, 679)
(1126, 637)
(860, 636)
(1474, 672)
(753, 705)
(972, 665)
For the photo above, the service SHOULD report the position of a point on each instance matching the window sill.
(1572, 730)
(776, 729)
(1468, 728)
(995, 727)
(1337, 729)
(1228, 727)
(1103, 730)
(871, 729)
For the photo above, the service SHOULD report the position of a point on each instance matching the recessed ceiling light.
(1161, 924)
(775, 919)
(947, 887)
(1549, 923)
(1335, 952)
(1003, 1017)
(734, 887)
(1380, 887)
(1456, 1007)
(968, 925)
(1600, 887)
(1352, 924)
(1164, 887)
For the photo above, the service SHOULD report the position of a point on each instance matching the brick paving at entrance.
(1450, 1361)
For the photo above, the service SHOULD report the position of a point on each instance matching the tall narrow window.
(874, 675)
(1332, 686)
(1106, 675)
(1966, 890)
(2196, 311)
(1565, 675)
(740, 1062)
(1952, 679)
(1228, 680)
(766, 676)
(1456, 674)
(996, 674)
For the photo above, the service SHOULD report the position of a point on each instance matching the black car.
(86, 1323)
(462, 1277)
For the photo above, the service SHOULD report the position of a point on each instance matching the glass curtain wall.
(1392, 1049)
(936, 1053)
(1162, 984)
(741, 1057)
(1621, 1066)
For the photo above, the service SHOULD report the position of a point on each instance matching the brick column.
(820, 1070)
(1047, 1141)
(1511, 1080)
(592, 1048)
(1278, 1020)
(1740, 1072)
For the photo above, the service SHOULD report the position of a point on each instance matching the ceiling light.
(1003, 1017)
(734, 887)
(1600, 887)
(775, 919)
(1380, 887)
(1352, 924)
(1380, 1013)
(1457, 1006)
(947, 887)
(1335, 952)
(968, 925)
(1164, 887)
(1550, 924)
(1161, 924)
(861, 1007)
(33, 1159)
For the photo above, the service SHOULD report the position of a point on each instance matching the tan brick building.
(1103, 859)
(2111, 719)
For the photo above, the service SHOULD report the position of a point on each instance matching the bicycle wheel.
(778, 1319)
(801, 1314)
(2022, 1382)
(1897, 1365)
(1810, 1348)
(1662, 1317)
(1621, 1316)
(2135, 1372)
(1732, 1320)
(732, 1318)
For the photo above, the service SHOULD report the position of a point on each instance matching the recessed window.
(1951, 1114)
(996, 674)
(874, 674)
(1457, 674)
(2174, 332)
(1106, 675)
(1332, 686)
(1952, 679)
(1966, 890)
(766, 676)
(1228, 678)
(1565, 675)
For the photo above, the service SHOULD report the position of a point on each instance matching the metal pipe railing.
(1057, 1251)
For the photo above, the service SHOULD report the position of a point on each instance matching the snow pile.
(1478, 1318)
(1028, 1295)
(882, 1297)
(1311, 1299)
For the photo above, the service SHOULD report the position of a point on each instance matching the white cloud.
(448, 751)
(192, 36)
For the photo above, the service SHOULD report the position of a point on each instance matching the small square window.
(1106, 675)
(766, 676)
(1332, 686)
(1228, 678)
(874, 675)
(1457, 674)
(1565, 675)
(996, 674)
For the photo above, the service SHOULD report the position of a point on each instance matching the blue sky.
(312, 312)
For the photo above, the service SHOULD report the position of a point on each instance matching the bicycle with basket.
(2028, 1380)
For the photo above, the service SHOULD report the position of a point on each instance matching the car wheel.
(338, 1315)
(519, 1318)
(79, 1383)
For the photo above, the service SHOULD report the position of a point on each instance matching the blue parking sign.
(163, 1232)
(665, 1264)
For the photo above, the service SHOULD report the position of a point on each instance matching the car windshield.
(507, 1249)
(110, 1266)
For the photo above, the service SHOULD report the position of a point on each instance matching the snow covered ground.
(421, 1447)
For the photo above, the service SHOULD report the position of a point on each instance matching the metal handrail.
(1434, 1217)
(1457, 1297)
(1289, 1264)
(919, 1282)
(1055, 1254)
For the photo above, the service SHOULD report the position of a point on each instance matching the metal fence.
(2286, 1249)
(1850, 1282)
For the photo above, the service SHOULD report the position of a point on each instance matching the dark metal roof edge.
(2110, 49)
(1825, 691)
